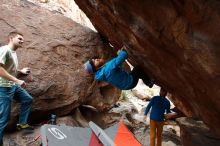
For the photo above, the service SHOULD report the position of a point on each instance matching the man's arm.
(148, 107)
(4, 74)
(168, 107)
(122, 56)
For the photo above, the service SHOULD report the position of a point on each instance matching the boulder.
(196, 133)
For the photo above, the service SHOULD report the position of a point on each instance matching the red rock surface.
(176, 41)
(196, 133)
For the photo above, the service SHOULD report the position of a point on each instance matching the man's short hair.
(13, 34)
(163, 90)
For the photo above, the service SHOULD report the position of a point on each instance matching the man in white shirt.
(10, 86)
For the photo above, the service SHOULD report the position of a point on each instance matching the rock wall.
(55, 49)
(66, 7)
(175, 41)
(196, 133)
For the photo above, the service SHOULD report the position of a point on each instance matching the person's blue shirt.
(112, 73)
(159, 106)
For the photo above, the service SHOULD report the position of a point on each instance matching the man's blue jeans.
(7, 94)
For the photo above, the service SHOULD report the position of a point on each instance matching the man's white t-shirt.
(9, 61)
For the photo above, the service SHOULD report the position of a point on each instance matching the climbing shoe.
(24, 127)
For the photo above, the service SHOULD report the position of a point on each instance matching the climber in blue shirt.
(112, 72)
(159, 105)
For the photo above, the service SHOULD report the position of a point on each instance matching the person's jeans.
(156, 129)
(7, 94)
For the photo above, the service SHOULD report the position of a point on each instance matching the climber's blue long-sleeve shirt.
(112, 73)
(159, 105)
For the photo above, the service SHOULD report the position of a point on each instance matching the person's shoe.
(24, 127)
